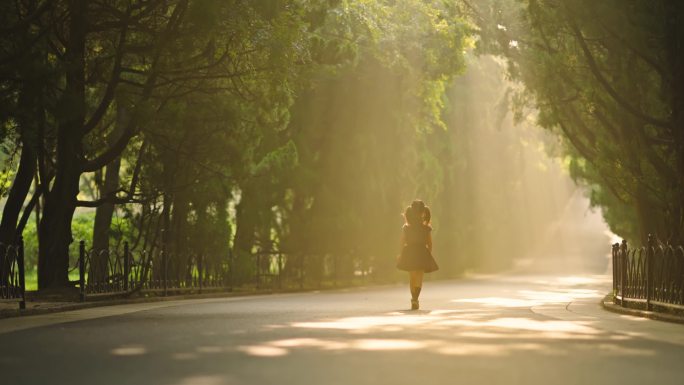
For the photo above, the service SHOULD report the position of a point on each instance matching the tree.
(606, 77)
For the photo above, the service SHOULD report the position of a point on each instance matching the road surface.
(497, 330)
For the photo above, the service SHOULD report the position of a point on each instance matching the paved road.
(499, 330)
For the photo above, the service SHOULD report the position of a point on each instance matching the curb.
(123, 301)
(608, 304)
(126, 301)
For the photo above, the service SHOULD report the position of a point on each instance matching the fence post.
(22, 277)
(231, 263)
(256, 272)
(164, 270)
(199, 271)
(127, 266)
(623, 271)
(280, 270)
(650, 248)
(81, 269)
(302, 271)
(615, 251)
(335, 269)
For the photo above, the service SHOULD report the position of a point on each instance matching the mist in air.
(509, 194)
(500, 194)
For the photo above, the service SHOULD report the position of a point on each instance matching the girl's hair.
(417, 213)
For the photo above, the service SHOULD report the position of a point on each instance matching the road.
(496, 330)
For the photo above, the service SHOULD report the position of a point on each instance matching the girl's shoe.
(414, 304)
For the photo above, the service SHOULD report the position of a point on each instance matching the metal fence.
(648, 277)
(12, 278)
(123, 271)
(282, 270)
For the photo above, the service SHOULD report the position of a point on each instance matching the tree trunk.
(17, 195)
(245, 235)
(29, 121)
(60, 201)
(102, 225)
(55, 226)
(178, 263)
(104, 213)
(15, 200)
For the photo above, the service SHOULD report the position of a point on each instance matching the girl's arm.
(429, 242)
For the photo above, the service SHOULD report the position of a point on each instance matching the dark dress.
(415, 255)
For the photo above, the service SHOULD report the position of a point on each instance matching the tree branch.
(115, 150)
(595, 70)
(109, 198)
(111, 85)
(23, 23)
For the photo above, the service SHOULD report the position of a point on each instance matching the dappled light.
(563, 289)
(553, 324)
(470, 333)
(573, 280)
(129, 350)
(556, 328)
(469, 327)
(477, 324)
(363, 323)
(499, 302)
(263, 351)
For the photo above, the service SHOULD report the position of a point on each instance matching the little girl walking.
(416, 248)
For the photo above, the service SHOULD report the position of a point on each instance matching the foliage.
(606, 77)
(215, 127)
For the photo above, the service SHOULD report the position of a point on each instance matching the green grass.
(32, 278)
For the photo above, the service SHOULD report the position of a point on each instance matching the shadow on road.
(482, 331)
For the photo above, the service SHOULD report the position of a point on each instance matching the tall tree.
(603, 76)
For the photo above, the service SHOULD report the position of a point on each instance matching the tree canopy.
(217, 127)
(606, 77)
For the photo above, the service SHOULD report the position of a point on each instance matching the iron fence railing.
(649, 276)
(123, 271)
(12, 277)
(297, 270)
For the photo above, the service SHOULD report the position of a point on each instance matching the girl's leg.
(418, 282)
(415, 283)
(412, 280)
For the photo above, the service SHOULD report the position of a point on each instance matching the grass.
(31, 278)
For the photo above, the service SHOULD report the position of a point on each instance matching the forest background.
(234, 127)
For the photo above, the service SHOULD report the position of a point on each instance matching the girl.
(416, 248)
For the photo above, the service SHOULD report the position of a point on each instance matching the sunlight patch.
(129, 350)
(263, 351)
(541, 326)
(617, 350)
(499, 302)
(570, 295)
(382, 344)
(472, 349)
(361, 323)
(310, 342)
